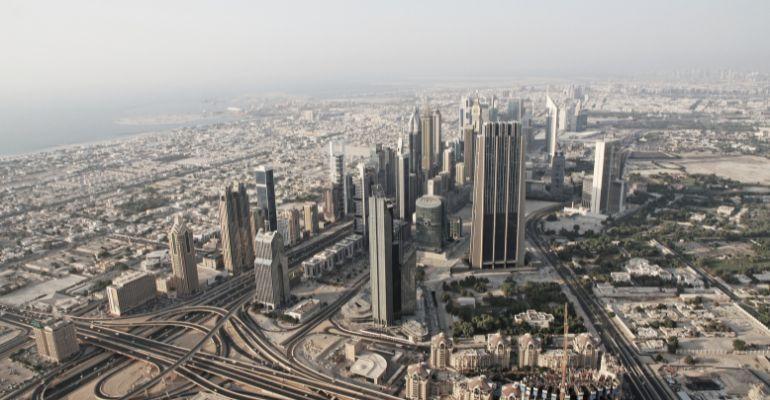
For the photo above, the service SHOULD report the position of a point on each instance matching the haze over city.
(438, 200)
(76, 58)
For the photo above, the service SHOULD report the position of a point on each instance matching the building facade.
(404, 202)
(289, 226)
(235, 225)
(557, 175)
(552, 126)
(431, 224)
(492, 351)
(271, 270)
(56, 340)
(497, 228)
(363, 189)
(382, 277)
(608, 191)
(129, 291)
(266, 196)
(310, 211)
(529, 350)
(476, 388)
(182, 252)
(427, 128)
(418, 382)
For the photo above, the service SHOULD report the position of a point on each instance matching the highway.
(271, 371)
(716, 283)
(643, 382)
(63, 385)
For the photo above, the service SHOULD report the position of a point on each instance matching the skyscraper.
(348, 190)
(404, 269)
(182, 252)
(497, 229)
(367, 178)
(266, 196)
(432, 227)
(383, 159)
(310, 211)
(336, 164)
(56, 340)
(516, 110)
(552, 126)
(477, 116)
(427, 146)
(469, 147)
(257, 220)
(466, 105)
(438, 145)
(271, 270)
(235, 225)
(608, 190)
(448, 164)
(403, 198)
(381, 260)
(392, 260)
(129, 291)
(557, 175)
(460, 174)
(333, 203)
(289, 226)
(415, 149)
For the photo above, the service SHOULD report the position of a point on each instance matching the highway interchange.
(267, 369)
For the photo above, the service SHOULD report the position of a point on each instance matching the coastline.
(118, 137)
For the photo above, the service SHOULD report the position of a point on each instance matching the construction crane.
(564, 356)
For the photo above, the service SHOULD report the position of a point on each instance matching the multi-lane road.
(643, 383)
(270, 370)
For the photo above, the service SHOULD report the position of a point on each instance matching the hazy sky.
(53, 49)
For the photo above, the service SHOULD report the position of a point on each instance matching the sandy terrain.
(134, 374)
(746, 169)
(12, 373)
(42, 289)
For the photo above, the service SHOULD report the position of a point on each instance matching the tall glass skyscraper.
(235, 225)
(266, 196)
(182, 252)
(497, 229)
(608, 192)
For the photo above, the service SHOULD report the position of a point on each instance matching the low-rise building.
(414, 330)
(476, 388)
(304, 309)
(534, 318)
(637, 267)
(332, 257)
(352, 349)
(370, 366)
(478, 354)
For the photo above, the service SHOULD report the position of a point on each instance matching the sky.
(56, 53)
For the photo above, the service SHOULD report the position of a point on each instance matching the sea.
(28, 126)
(32, 127)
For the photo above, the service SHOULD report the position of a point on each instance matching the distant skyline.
(61, 59)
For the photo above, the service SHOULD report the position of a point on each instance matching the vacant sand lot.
(746, 169)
